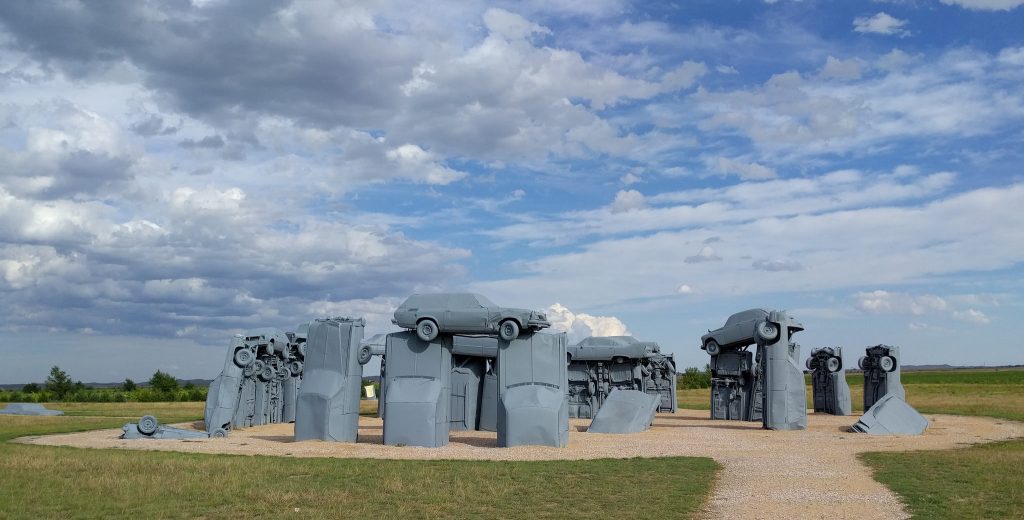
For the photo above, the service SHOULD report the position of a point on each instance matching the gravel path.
(804, 474)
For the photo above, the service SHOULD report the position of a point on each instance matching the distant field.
(49, 482)
(985, 392)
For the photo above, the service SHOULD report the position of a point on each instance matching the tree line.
(59, 386)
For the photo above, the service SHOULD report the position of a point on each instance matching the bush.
(694, 377)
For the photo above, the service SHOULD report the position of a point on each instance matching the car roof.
(442, 299)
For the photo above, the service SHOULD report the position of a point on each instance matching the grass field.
(978, 482)
(992, 393)
(47, 482)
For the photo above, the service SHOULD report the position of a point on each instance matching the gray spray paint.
(625, 411)
(598, 365)
(785, 398)
(328, 400)
(881, 365)
(735, 392)
(828, 381)
(466, 385)
(891, 415)
(256, 385)
(418, 390)
(149, 428)
(532, 390)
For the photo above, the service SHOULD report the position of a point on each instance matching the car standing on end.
(464, 313)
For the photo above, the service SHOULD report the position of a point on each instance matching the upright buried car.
(464, 313)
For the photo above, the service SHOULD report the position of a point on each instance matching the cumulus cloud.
(706, 254)
(684, 289)
(885, 302)
(628, 200)
(581, 325)
(880, 23)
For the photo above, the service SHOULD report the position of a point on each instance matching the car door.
(465, 313)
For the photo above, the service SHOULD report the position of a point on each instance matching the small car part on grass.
(464, 313)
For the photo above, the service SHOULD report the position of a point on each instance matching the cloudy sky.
(174, 172)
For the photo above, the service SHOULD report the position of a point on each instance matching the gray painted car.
(464, 313)
(740, 330)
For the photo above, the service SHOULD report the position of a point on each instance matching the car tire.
(365, 354)
(219, 433)
(808, 363)
(270, 347)
(295, 368)
(862, 362)
(427, 330)
(147, 425)
(508, 330)
(833, 364)
(767, 331)
(267, 373)
(244, 357)
(712, 347)
(887, 363)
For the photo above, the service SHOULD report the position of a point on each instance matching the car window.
(463, 301)
(484, 301)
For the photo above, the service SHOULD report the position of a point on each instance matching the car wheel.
(295, 367)
(833, 364)
(270, 347)
(302, 349)
(219, 433)
(365, 354)
(250, 370)
(147, 425)
(888, 363)
(244, 357)
(809, 364)
(426, 330)
(712, 347)
(508, 330)
(267, 373)
(862, 362)
(767, 331)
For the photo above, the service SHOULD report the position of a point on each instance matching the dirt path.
(806, 474)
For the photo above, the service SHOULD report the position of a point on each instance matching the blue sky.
(172, 173)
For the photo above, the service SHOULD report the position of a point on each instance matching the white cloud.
(706, 254)
(881, 23)
(684, 289)
(972, 316)
(581, 325)
(628, 200)
(962, 93)
(878, 302)
(741, 169)
(986, 5)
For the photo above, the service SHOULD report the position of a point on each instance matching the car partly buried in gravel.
(741, 330)
(464, 313)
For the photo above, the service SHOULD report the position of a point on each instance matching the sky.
(172, 173)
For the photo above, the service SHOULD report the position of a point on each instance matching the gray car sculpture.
(828, 381)
(599, 365)
(464, 313)
(737, 332)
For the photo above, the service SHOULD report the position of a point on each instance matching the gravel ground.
(803, 474)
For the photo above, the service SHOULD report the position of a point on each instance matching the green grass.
(49, 482)
(985, 392)
(984, 481)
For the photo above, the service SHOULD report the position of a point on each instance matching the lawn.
(49, 482)
(992, 393)
(978, 482)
